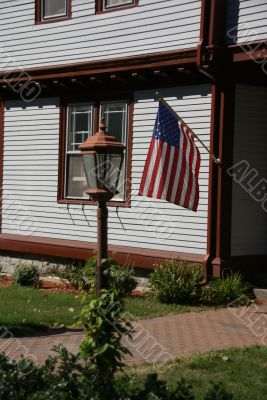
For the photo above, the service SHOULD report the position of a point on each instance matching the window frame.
(62, 167)
(101, 9)
(40, 20)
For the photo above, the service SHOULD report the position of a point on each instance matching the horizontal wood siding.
(249, 220)
(30, 179)
(246, 21)
(153, 26)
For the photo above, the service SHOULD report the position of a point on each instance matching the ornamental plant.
(176, 281)
(26, 276)
(104, 328)
(223, 291)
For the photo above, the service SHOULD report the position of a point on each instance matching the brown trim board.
(225, 138)
(153, 60)
(2, 115)
(138, 257)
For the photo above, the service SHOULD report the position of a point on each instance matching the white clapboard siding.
(153, 26)
(30, 180)
(246, 21)
(249, 220)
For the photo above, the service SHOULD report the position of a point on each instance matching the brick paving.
(163, 338)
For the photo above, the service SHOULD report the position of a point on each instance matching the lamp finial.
(102, 126)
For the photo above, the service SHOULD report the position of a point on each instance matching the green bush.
(26, 276)
(176, 281)
(223, 291)
(74, 273)
(104, 327)
(64, 377)
(120, 278)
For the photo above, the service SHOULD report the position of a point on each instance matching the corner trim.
(2, 116)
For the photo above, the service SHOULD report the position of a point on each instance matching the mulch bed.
(44, 285)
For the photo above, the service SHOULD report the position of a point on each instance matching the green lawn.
(150, 307)
(24, 309)
(243, 371)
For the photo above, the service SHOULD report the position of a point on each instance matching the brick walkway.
(161, 338)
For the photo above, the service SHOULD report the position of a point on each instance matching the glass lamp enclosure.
(103, 171)
(79, 124)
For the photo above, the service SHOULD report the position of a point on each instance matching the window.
(116, 3)
(113, 5)
(79, 128)
(81, 121)
(52, 10)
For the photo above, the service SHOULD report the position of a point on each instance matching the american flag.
(173, 161)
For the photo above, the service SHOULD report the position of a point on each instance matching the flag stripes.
(172, 166)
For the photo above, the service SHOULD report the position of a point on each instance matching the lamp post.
(102, 159)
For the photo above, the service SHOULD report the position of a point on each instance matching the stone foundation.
(49, 266)
(46, 265)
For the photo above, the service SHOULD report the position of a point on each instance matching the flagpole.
(215, 159)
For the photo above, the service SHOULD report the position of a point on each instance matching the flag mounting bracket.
(215, 159)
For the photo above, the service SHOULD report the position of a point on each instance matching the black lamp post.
(102, 159)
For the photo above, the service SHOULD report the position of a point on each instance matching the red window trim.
(38, 14)
(61, 199)
(100, 8)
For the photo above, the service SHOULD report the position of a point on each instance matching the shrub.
(104, 325)
(26, 276)
(64, 377)
(176, 281)
(120, 278)
(74, 273)
(223, 291)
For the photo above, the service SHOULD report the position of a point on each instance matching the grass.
(150, 307)
(25, 309)
(243, 371)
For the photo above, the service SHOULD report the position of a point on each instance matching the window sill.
(83, 202)
(119, 8)
(51, 20)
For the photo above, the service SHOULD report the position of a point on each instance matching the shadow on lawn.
(32, 330)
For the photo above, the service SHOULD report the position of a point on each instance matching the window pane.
(116, 120)
(80, 122)
(115, 116)
(116, 3)
(54, 8)
(75, 177)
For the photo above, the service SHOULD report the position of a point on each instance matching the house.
(67, 63)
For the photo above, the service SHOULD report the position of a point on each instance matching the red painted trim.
(99, 7)
(139, 257)
(2, 115)
(248, 51)
(132, 63)
(38, 14)
(212, 195)
(226, 106)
